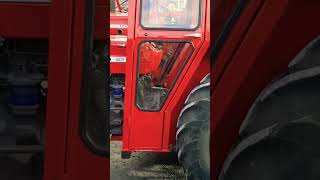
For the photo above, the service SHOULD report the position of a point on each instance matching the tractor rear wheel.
(193, 135)
(287, 151)
(280, 139)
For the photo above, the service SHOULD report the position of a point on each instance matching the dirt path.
(144, 165)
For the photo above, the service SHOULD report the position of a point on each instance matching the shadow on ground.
(143, 166)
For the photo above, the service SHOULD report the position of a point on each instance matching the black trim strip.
(96, 145)
(228, 27)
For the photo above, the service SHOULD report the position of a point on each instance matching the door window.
(160, 64)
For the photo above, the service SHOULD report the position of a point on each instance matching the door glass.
(170, 14)
(23, 94)
(160, 64)
(118, 6)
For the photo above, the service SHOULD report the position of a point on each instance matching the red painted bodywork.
(267, 36)
(32, 20)
(155, 131)
(118, 46)
(118, 40)
(62, 22)
(119, 19)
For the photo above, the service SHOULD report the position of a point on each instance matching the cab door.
(76, 137)
(161, 47)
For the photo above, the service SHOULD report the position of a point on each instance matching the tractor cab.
(159, 82)
(161, 60)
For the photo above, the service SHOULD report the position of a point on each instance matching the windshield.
(170, 14)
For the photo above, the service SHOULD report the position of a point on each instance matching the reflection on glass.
(160, 64)
(181, 14)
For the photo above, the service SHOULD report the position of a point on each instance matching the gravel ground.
(144, 165)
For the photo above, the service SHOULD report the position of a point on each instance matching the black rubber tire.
(280, 142)
(288, 151)
(193, 135)
(294, 101)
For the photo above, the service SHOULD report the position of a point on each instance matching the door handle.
(195, 35)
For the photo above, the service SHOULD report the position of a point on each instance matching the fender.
(304, 66)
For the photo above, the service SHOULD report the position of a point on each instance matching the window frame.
(175, 79)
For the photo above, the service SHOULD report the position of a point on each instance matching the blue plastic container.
(24, 92)
(117, 91)
(24, 95)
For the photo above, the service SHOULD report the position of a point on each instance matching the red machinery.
(51, 135)
(118, 41)
(159, 80)
(265, 92)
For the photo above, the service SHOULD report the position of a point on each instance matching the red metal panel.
(271, 42)
(65, 155)
(102, 18)
(118, 48)
(147, 131)
(128, 81)
(118, 22)
(60, 43)
(200, 68)
(24, 20)
(103, 2)
(81, 162)
(118, 68)
(32, 20)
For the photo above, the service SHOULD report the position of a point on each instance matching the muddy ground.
(144, 166)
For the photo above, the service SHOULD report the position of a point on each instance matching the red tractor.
(52, 90)
(159, 80)
(265, 90)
